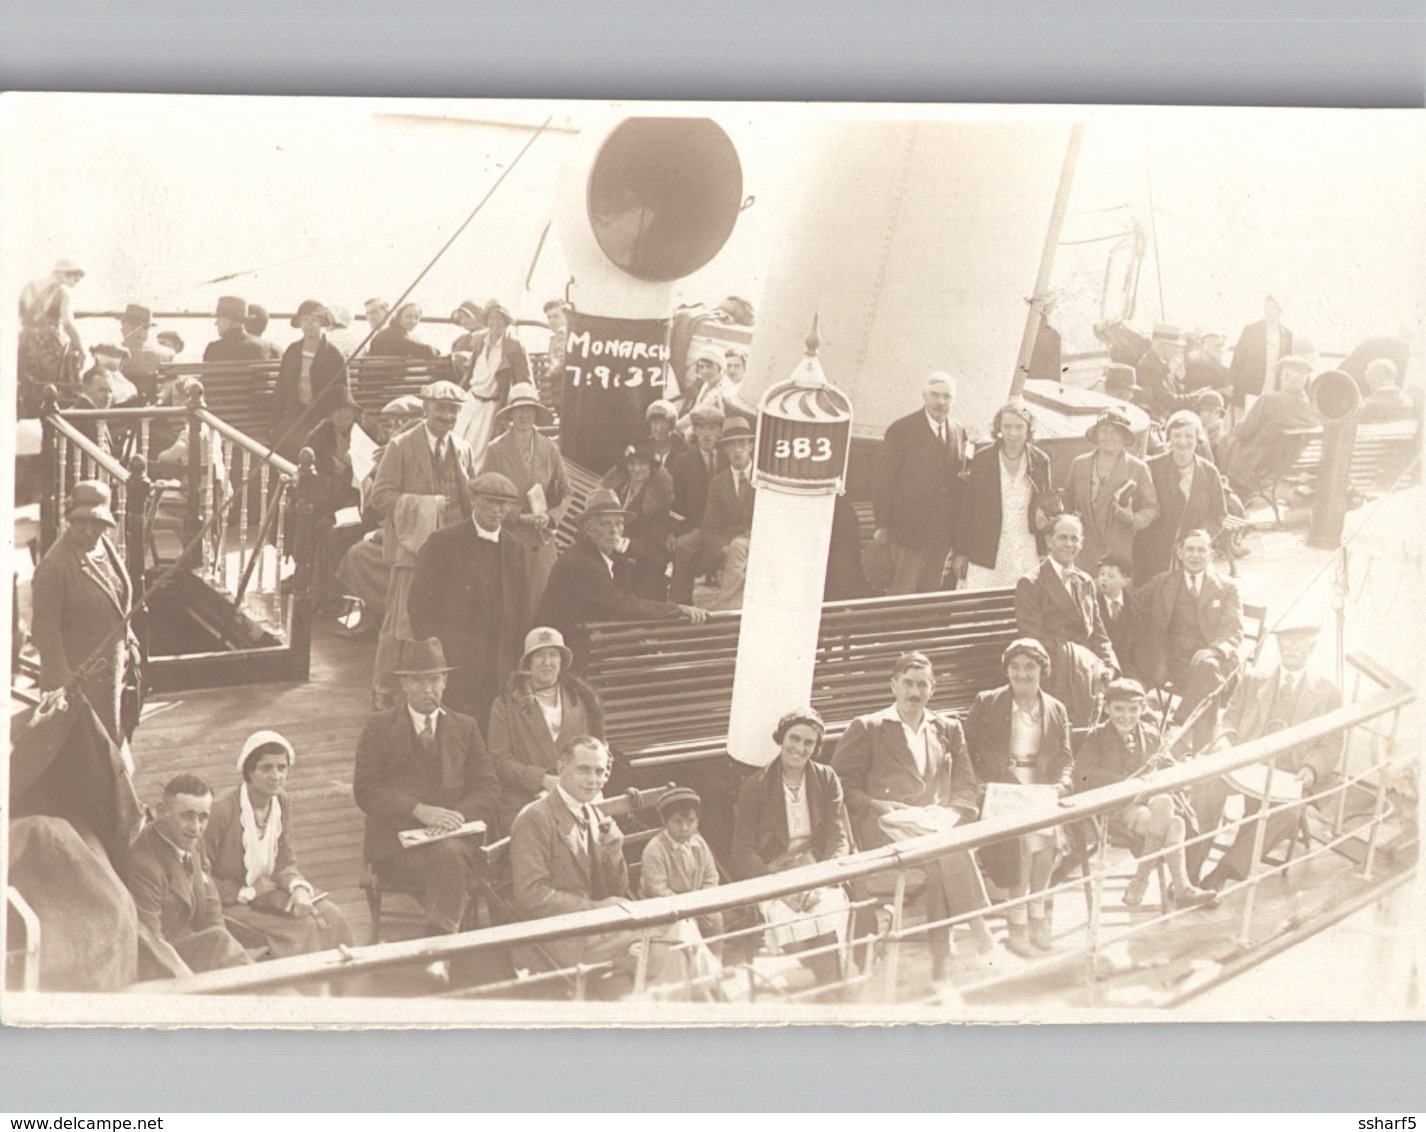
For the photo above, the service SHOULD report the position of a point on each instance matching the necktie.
(1113, 610)
(738, 486)
(1193, 586)
(441, 451)
(708, 462)
(941, 433)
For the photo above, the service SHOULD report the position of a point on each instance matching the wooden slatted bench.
(667, 686)
(1383, 452)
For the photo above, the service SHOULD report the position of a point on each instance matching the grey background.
(1363, 53)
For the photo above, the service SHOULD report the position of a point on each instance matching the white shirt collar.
(183, 854)
(481, 532)
(1059, 570)
(608, 561)
(937, 426)
(418, 721)
(432, 440)
(579, 809)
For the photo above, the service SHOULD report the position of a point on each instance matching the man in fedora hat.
(419, 488)
(311, 381)
(917, 491)
(422, 766)
(141, 366)
(591, 580)
(720, 544)
(472, 591)
(1160, 371)
(82, 598)
(1268, 700)
(234, 343)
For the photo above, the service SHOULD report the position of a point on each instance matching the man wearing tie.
(174, 895)
(721, 541)
(419, 488)
(419, 766)
(1056, 605)
(568, 857)
(1192, 624)
(694, 468)
(1265, 702)
(1111, 583)
(916, 492)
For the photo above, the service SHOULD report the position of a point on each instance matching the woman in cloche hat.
(311, 380)
(498, 366)
(542, 701)
(532, 462)
(250, 851)
(646, 492)
(1111, 490)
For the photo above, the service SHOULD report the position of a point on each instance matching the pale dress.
(829, 916)
(1016, 554)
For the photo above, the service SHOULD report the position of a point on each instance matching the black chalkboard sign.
(614, 369)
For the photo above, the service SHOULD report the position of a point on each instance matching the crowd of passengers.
(484, 725)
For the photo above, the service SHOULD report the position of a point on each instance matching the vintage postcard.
(504, 563)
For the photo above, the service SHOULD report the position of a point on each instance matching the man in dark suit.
(917, 488)
(1057, 606)
(234, 343)
(720, 544)
(419, 766)
(1190, 622)
(591, 581)
(472, 590)
(693, 469)
(1158, 372)
(174, 895)
(909, 756)
(1112, 581)
(1269, 438)
(1264, 702)
(81, 596)
(1256, 355)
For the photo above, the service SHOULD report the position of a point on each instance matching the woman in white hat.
(542, 701)
(249, 842)
(532, 462)
(498, 366)
(46, 322)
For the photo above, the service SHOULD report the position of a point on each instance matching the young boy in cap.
(678, 860)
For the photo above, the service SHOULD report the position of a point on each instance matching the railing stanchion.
(893, 951)
(641, 968)
(1255, 865)
(1097, 870)
(1379, 806)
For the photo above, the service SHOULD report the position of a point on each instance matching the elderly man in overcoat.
(82, 596)
(472, 590)
(918, 486)
(419, 488)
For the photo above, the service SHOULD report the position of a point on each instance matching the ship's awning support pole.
(1047, 261)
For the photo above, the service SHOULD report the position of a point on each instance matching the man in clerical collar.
(174, 895)
(1056, 605)
(472, 591)
(1191, 619)
(420, 765)
(1267, 701)
(420, 486)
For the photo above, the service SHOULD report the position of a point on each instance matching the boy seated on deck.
(678, 860)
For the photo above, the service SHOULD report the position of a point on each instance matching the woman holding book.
(1111, 490)
(250, 849)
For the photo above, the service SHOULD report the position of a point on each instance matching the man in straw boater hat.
(720, 544)
(472, 591)
(591, 582)
(1266, 701)
(1159, 372)
(234, 343)
(82, 596)
(419, 488)
(420, 766)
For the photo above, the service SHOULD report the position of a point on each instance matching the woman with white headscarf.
(250, 849)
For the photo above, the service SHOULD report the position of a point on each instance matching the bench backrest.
(667, 686)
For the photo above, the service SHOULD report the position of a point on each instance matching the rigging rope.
(82, 671)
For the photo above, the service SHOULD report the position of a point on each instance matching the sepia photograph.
(508, 563)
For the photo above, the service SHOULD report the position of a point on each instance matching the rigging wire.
(83, 670)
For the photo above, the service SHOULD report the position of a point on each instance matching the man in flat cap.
(1264, 702)
(472, 591)
(1159, 372)
(720, 544)
(592, 580)
(234, 343)
(420, 486)
(693, 469)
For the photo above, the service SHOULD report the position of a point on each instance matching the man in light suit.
(82, 594)
(721, 541)
(1056, 605)
(568, 857)
(419, 487)
(1191, 624)
(1264, 702)
(917, 488)
(472, 590)
(419, 766)
(174, 895)
(909, 756)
